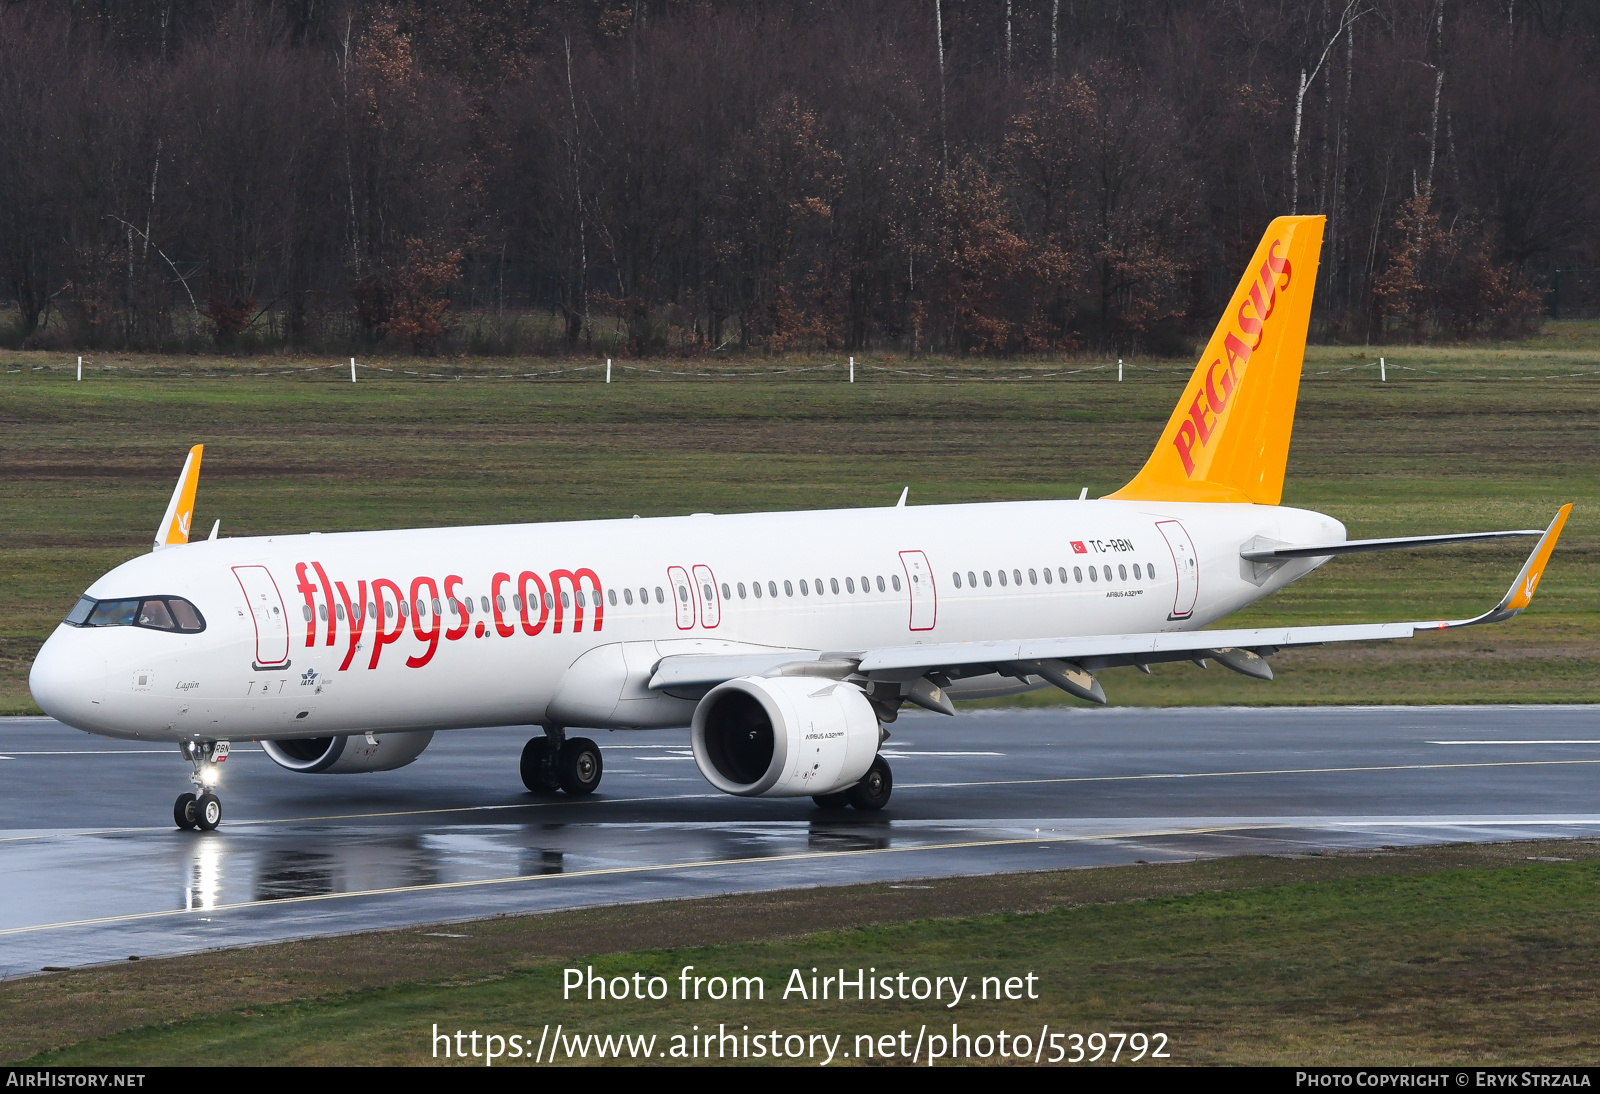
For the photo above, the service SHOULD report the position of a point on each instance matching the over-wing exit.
(785, 641)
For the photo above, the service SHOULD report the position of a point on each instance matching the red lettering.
(380, 636)
(1275, 264)
(1218, 402)
(1238, 353)
(1263, 306)
(1248, 325)
(327, 594)
(431, 636)
(527, 601)
(576, 578)
(501, 627)
(358, 618)
(1197, 415)
(1184, 443)
(455, 633)
(307, 590)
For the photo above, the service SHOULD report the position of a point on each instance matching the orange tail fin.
(1228, 439)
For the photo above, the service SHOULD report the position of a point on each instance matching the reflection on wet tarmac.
(204, 873)
(845, 835)
(286, 873)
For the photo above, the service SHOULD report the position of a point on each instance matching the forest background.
(698, 177)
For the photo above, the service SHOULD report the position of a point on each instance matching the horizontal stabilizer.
(1362, 546)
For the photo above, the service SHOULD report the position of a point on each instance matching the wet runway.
(92, 870)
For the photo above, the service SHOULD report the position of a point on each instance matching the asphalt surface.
(92, 870)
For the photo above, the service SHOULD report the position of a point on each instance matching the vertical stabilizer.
(1228, 439)
(174, 528)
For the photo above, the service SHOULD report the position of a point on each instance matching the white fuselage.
(844, 580)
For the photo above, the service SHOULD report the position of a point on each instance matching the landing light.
(209, 776)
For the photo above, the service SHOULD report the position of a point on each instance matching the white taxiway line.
(1595, 742)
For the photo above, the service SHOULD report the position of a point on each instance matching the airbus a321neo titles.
(785, 640)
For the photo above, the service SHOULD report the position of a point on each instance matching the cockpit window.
(162, 613)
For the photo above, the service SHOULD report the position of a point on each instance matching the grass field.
(1473, 953)
(1458, 439)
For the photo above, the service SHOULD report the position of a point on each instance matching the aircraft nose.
(69, 682)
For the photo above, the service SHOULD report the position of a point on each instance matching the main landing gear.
(202, 810)
(868, 795)
(558, 762)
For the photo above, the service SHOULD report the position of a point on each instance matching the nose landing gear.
(202, 810)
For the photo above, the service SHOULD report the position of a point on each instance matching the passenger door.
(266, 608)
(1186, 564)
(919, 585)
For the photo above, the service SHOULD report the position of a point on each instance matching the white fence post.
(80, 369)
(1383, 372)
(352, 370)
(1119, 370)
(852, 370)
(608, 370)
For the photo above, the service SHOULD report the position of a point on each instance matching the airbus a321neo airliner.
(785, 640)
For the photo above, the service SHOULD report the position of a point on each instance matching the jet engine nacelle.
(784, 737)
(347, 755)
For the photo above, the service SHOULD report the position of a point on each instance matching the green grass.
(1477, 437)
(1435, 955)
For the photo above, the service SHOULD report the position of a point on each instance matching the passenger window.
(422, 609)
(755, 587)
(894, 579)
(1094, 575)
(1108, 573)
(1061, 571)
(338, 610)
(788, 588)
(305, 613)
(388, 610)
(955, 579)
(772, 589)
(372, 608)
(1046, 575)
(849, 584)
(833, 584)
(1136, 575)
(803, 590)
(1122, 571)
(405, 609)
(322, 612)
(880, 583)
(627, 596)
(866, 585)
(1033, 577)
(725, 593)
(566, 602)
(153, 613)
(987, 583)
(1016, 575)
(661, 597)
(741, 590)
(1002, 575)
(705, 591)
(817, 581)
(1149, 571)
(499, 602)
(683, 593)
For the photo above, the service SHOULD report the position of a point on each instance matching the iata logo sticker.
(1205, 412)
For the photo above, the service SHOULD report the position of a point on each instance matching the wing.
(922, 672)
